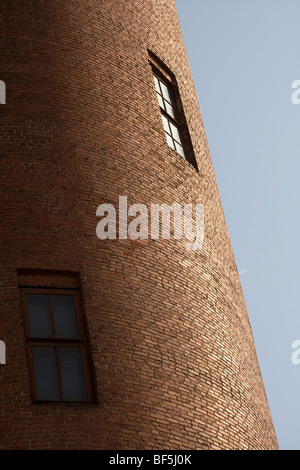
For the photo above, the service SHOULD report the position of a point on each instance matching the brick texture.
(171, 349)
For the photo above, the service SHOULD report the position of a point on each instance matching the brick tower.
(114, 343)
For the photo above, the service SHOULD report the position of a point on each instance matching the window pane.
(64, 314)
(180, 149)
(39, 315)
(165, 123)
(72, 374)
(156, 84)
(166, 92)
(175, 133)
(46, 378)
(161, 102)
(170, 110)
(170, 141)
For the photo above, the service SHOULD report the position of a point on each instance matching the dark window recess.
(56, 346)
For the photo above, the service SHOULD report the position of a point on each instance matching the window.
(172, 111)
(56, 345)
(169, 116)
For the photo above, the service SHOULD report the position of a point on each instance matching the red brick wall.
(172, 354)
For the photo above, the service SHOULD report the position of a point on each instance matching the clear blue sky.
(244, 56)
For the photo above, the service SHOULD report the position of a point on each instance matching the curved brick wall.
(173, 360)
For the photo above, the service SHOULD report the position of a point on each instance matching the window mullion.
(51, 315)
(170, 118)
(58, 373)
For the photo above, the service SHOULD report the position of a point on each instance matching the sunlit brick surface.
(171, 349)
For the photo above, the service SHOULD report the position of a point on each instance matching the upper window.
(56, 345)
(171, 108)
(169, 116)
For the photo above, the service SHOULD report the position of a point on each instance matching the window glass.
(165, 92)
(165, 123)
(45, 369)
(39, 315)
(161, 101)
(179, 149)
(175, 132)
(157, 84)
(72, 374)
(170, 141)
(170, 110)
(64, 314)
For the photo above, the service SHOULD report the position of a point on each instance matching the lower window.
(57, 346)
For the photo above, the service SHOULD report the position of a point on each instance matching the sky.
(244, 57)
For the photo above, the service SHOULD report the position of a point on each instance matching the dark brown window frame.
(55, 342)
